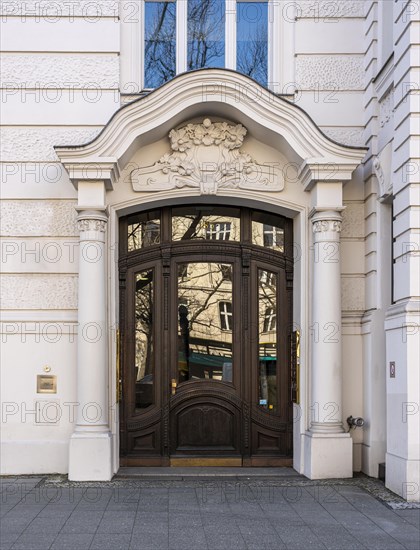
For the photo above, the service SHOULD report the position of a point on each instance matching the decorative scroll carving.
(322, 226)
(203, 393)
(145, 421)
(271, 422)
(207, 156)
(384, 181)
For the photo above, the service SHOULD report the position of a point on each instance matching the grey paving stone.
(336, 538)
(152, 541)
(72, 542)
(34, 542)
(187, 539)
(224, 541)
(412, 516)
(262, 541)
(110, 542)
(214, 514)
(82, 523)
(298, 536)
(8, 538)
(45, 525)
(14, 525)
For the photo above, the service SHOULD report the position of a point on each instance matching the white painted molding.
(325, 9)
(207, 156)
(230, 94)
(51, 11)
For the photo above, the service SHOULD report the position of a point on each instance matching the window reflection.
(143, 230)
(206, 34)
(252, 43)
(144, 346)
(266, 231)
(267, 340)
(160, 43)
(216, 224)
(205, 321)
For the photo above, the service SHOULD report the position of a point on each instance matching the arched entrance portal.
(195, 139)
(206, 295)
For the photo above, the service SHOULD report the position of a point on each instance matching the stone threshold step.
(197, 471)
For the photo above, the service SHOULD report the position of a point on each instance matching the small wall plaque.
(392, 369)
(46, 383)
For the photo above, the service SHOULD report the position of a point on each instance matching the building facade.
(210, 236)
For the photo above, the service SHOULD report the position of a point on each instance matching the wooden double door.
(205, 297)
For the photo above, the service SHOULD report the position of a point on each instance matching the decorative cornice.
(102, 169)
(207, 156)
(314, 170)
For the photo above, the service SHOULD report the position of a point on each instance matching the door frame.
(258, 257)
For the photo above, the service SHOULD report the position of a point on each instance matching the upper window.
(159, 43)
(183, 35)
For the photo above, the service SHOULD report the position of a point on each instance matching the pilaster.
(328, 449)
(90, 443)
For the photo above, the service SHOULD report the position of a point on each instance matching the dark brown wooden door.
(205, 322)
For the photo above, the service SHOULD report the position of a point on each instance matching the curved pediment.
(206, 93)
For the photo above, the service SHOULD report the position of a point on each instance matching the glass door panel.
(205, 321)
(144, 344)
(267, 340)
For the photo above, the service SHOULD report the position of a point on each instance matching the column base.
(402, 476)
(328, 456)
(90, 457)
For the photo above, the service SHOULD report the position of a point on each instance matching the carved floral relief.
(207, 156)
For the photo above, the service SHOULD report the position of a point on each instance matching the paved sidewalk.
(208, 512)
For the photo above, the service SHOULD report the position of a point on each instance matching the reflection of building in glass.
(205, 321)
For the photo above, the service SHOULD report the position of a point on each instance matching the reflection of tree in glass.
(144, 324)
(160, 43)
(267, 291)
(252, 31)
(251, 56)
(204, 290)
(206, 27)
(141, 234)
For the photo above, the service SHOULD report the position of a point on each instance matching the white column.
(90, 444)
(328, 449)
(326, 399)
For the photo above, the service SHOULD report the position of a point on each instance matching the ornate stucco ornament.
(382, 166)
(207, 156)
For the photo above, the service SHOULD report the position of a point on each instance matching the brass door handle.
(173, 386)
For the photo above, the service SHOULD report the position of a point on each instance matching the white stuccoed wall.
(60, 85)
(60, 80)
(403, 317)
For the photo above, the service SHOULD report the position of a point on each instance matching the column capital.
(326, 221)
(92, 224)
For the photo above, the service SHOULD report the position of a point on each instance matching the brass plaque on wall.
(46, 383)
